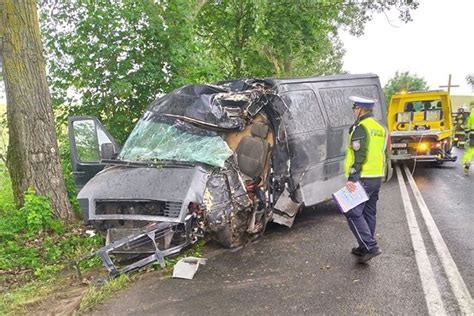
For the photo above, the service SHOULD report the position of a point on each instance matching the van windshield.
(153, 139)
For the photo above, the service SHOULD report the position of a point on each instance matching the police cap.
(362, 102)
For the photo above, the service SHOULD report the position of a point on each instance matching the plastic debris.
(187, 267)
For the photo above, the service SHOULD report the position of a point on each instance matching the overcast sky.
(438, 42)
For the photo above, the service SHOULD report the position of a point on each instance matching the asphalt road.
(308, 269)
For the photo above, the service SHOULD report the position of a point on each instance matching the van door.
(90, 143)
(306, 130)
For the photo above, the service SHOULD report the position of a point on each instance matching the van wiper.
(157, 163)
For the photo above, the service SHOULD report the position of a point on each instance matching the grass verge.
(18, 300)
(97, 294)
(64, 293)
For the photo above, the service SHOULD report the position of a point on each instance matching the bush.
(32, 243)
(32, 240)
(38, 212)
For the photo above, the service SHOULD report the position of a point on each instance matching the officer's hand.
(351, 186)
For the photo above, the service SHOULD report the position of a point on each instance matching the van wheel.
(388, 171)
(234, 234)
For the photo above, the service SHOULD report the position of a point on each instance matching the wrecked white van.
(218, 161)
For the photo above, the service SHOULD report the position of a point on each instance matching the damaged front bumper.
(145, 213)
(151, 233)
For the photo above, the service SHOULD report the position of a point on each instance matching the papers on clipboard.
(348, 200)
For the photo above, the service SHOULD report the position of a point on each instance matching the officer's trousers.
(362, 218)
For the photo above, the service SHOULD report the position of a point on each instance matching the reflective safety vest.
(470, 121)
(469, 126)
(374, 165)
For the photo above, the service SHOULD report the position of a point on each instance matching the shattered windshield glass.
(156, 139)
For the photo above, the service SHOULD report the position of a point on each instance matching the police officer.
(365, 162)
(469, 128)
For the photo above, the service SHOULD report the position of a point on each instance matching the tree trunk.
(32, 156)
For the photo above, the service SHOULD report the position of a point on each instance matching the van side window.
(304, 113)
(338, 107)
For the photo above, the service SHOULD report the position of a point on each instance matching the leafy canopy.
(284, 37)
(110, 58)
(403, 81)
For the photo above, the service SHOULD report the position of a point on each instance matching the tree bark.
(33, 155)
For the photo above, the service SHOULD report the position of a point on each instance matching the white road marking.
(428, 282)
(460, 290)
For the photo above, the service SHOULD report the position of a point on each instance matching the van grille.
(148, 208)
(172, 209)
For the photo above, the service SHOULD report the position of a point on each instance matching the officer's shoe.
(358, 251)
(369, 255)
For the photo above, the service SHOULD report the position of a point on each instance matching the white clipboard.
(348, 200)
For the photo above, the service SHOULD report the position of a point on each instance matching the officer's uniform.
(365, 162)
(469, 127)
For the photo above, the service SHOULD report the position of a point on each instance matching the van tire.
(234, 233)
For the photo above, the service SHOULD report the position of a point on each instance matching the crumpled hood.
(181, 185)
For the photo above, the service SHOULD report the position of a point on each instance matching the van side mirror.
(107, 151)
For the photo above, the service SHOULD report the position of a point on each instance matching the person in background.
(365, 162)
(459, 133)
(469, 129)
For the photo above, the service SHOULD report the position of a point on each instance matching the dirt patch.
(64, 295)
(63, 303)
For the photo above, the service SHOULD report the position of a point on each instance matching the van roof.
(321, 79)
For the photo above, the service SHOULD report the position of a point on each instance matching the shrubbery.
(34, 244)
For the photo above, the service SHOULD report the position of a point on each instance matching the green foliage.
(283, 37)
(111, 58)
(33, 218)
(403, 81)
(65, 159)
(6, 194)
(38, 212)
(32, 241)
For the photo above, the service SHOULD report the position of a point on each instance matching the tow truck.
(421, 126)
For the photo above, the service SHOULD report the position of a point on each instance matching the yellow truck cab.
(421, 126)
